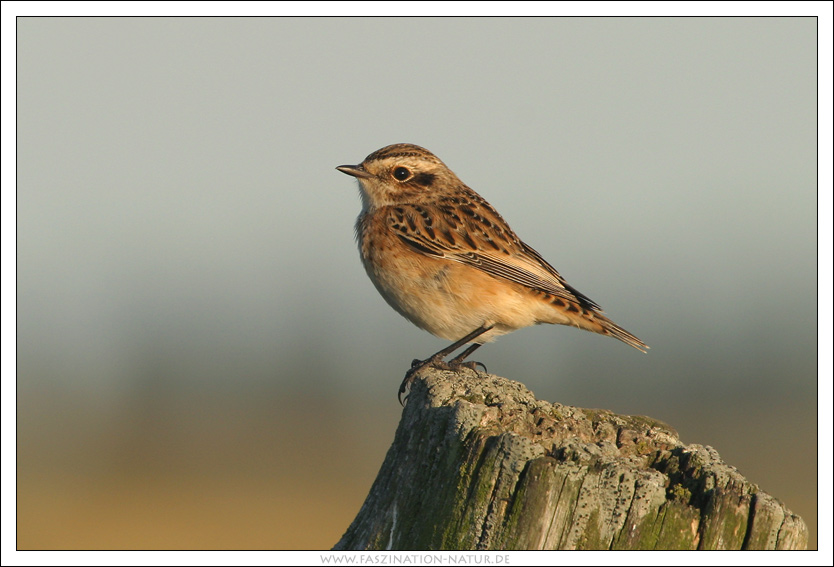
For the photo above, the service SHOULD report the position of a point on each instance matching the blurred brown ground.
(214, 473)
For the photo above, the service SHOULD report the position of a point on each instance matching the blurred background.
(202, 361)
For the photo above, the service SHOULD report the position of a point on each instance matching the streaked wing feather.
(418, 226)
(579, 295)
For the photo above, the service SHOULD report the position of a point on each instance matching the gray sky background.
(181, 226)
(177, 202)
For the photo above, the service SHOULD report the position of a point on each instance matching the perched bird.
(443, 258)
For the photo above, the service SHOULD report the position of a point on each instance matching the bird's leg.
(437, 358)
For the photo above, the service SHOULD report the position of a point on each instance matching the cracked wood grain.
(479, 463)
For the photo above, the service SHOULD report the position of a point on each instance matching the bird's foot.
(434, 362)
(472, 364)
(416, 366)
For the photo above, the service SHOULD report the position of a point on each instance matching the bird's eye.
(401, 174)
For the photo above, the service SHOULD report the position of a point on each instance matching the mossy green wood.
(478, 463)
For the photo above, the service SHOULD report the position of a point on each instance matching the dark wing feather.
(481, 239)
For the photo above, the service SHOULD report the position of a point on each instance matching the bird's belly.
(449, 299)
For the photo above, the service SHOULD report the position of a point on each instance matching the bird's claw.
(473, 365)
(440, 364)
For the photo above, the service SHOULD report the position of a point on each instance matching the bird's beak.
(354, 170)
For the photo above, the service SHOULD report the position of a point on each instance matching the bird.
(444, 259)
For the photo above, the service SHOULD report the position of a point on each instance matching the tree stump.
(478, 463)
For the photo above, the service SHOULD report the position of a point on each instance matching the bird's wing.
(471, 232)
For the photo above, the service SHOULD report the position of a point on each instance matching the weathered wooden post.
(478, 463)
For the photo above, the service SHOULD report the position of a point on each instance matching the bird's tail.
(589, 318)
(612, 329)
